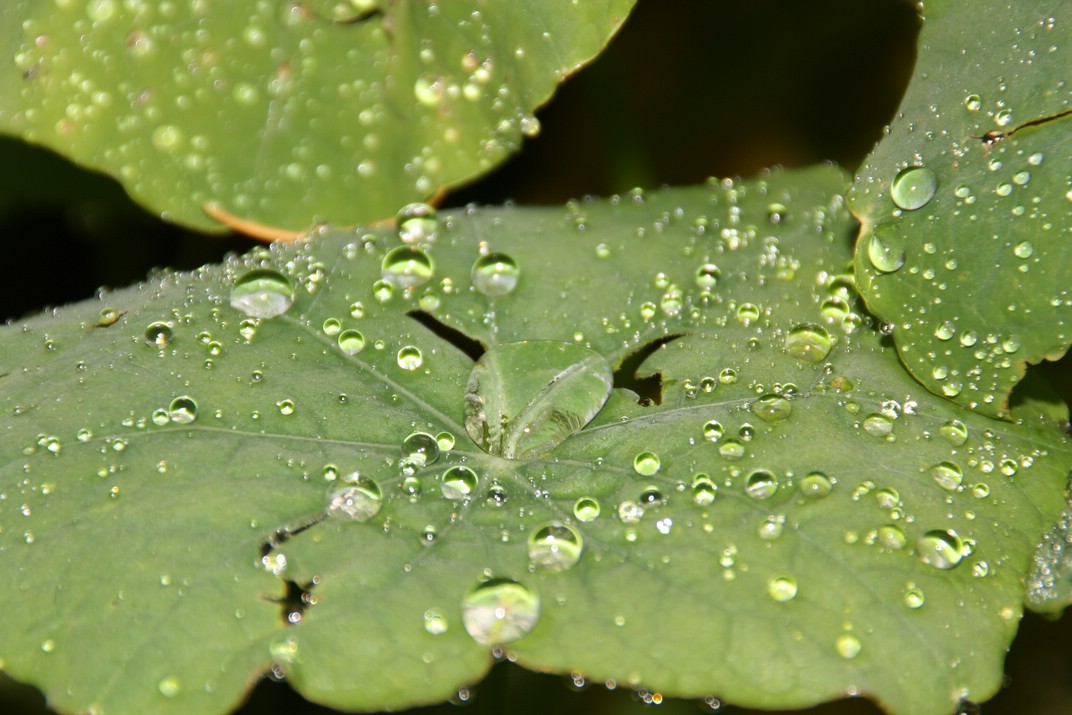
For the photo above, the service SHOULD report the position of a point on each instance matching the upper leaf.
(965, 204)
(268, 465)
(289, 114)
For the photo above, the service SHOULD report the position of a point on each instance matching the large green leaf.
(289, 114)
(966, 205)
(275, 464)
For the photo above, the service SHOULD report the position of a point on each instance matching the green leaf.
(266, 465)
(965, 204)
(289, 114)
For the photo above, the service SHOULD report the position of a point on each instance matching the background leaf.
(282, 114)
(804, 566)
(965, 204)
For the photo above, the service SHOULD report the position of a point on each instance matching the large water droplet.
(955, 432)
(771, 408)
(458, 482)
(420, 449)
(495, 274)
(940, 548)
(407, 267)
(713, 430)
(262, 293)
(360, 499)
(410, 358)
(351, 341)
(913, 187)
(810, 343)
(782, 588)
(646, 464)
(586, 509)
(761, 484)
(707, 276)
(704, 490)
(886, 249)
(182, 410)
(878, 425)
(158, 334)
(948, 475)
(816, 485)
(555, 547)
(417, 224)
(500, 611)
(848, 646)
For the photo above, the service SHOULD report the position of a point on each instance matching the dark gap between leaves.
(649, 388)
(472, 348)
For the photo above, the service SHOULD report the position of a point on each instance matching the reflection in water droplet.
(955, 432)
(406, 267)
(713, 430)
(704, 490)
(727, 376)
(420, 449)
(500, 611)
(158, 334)
(771, 408)
(782, 588)
(458, 482)
(761, 484)
(445, 440)
(630, 512)
(435, 622)
(731, 449)
(182, 410)
(886, 249)
(913, 188)
(586, 509)
(913, 596)
(495, 274)
(816, 485)
(351, 341)
(878, 425)
(948, 475)
(360, 499)
(382, 291)
(646, 464)
(810, 343)
(747, 313)
(555, 547)
(848, 646)
(940, 548)
(891, 537)
(707, 276)
(169, 687)
(410, 358)
(1024, 249)
(262, 293)
(417, 224)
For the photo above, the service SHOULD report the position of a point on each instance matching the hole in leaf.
(648, 387)
(296, 599)
(472, 348)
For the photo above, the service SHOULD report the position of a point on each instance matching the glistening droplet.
(500, 611)
(262, 293)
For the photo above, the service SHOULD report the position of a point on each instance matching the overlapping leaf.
(766, 508)
(288, 114)
(966, 203)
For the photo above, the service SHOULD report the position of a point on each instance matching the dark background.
(688, 89)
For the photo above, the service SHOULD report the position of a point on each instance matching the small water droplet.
(182, 410)
(495, 274)
(704, 490)
(848, 646)
(500, 611)
(782, 588)
(808, 342)
(406, 267)
(383, 291)
(435, 622)
(360, 499)
(158, 334)
(761, 485)
(445, 440)
(886, 249)
(727, 376)
(973, 102)
(707, 276)
(630, 512)
(285, 407)
(646, 464)
(955, 432)
(891, 537)
(169, 687)
(945, 330)
(913, 187)
(555, 547)
(940, 548)
(459, 482)
(417, 223)
(262, 293)
(331, 327)
(731, 450)
(816, 485)
(771, 408)
(410, 358)
(913, 596)
(748, 313)
(586, 509)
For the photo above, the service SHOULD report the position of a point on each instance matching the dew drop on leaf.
(947, 475)
(955, 432)
(500, 611)
(782, 588)
(586, 509)
(359, 500)
(435, 622)
(420, 449)
(646, 464)
(351, 341)
(182, 410)
(891, 537)
(445, 440)
(417, 223)
(704, 491)
(808, 342)
(940, 548)
(886, 249)
(848, 646)
(158, 334)
(761, 485)
(731, 449)
(410, 358)
(459, 482)
(495, 274)
(707, 276)
(913, 596)
(555, 547)
(771, 408)
(406, 267)
(816, 485)
(713, 430)
(913, 187)
(262, 293)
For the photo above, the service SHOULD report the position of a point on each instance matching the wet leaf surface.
(266, 465)
(289, 114)
(966, 202)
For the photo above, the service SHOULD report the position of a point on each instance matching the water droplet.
(955, 432)
(586, 509)
(459, 482)
(262, 293)
(351, 341)
(285, 407)
(360, 499)
(410, 358)
(886, 249)
(445, 440)
(731, 449)
(382, 291)
(158, 334)
(406, 267)
(646, 464)
(948, 475)
(630, 512)
(771, 408)
(782, 588)
(500, 611)
(945, 330)
(891, 537)
(435, 621)
(417, 223)
(913, 596)
(495, 274)
(429, 535)
(776, 213)
(973, 102)
(555, 547)
(808, 342)
(182, 410)
(747, 313)
(704, 490)
(848, 646)
(1003, 117)
(816, 485)
(707, 276)
(331, 326)
(878, 425)
(761, 484)
(169, 687)
(672, 301)
(1024, 250)
(420, 449)
(772, 527)
(940, 548)
(727, 376)
(713, 430)
(913, 187)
